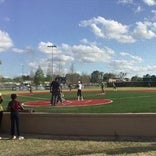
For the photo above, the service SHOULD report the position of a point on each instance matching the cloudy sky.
(106, 35)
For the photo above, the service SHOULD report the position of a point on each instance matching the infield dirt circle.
(69, 103)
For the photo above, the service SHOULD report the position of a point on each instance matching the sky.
(110, 36)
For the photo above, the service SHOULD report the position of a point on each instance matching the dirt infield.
(69, 103)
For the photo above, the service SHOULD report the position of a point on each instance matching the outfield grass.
(125, 100)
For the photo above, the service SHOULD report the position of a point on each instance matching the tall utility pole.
(52, 61)
(22, 74)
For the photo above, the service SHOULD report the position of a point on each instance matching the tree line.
(96, 76)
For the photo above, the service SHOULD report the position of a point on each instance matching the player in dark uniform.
(55, 91)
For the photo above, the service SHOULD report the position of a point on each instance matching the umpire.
(55, 91)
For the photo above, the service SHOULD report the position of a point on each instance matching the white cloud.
(127, 63)
(5, 41)
(154, 15)
(17, 50)
(138, 9)
(125, 1)
(132, 65)
(62, 56)
(43, 47)
(150, 68)
(144, 30)
(96, 30)
(124, 66)
(33, 65)
(43, 63)
(63, 59)
(66, 54)
(26, 50)
(92, 53)
(85, 41)
(109, 29)
(88, 53)
(150, 2)
(60, 62)
(135, 59)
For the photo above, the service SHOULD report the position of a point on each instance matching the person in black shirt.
(55, 91)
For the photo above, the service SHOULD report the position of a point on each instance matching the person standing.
(70, 87)
(14, 106)
(103, 86)
(30, 88)
(60, 96)
(114, 86)
(55, 91)
(79, 91)
(1, 111)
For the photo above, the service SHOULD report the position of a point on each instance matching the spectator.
(14, 106)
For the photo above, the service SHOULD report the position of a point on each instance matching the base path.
(70, 103)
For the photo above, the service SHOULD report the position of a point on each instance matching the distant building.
(111, 80)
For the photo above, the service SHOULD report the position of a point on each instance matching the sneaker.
(13, 137)
(20, 138)
(0, 138)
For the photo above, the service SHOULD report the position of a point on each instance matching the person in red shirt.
(14, 106)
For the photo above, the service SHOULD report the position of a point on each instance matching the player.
(79, 91)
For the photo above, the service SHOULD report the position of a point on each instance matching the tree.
(39, 76)
(72, 78)
(85, 78)
(108, 76)
(32, 74)
(96, 76)
(153, 78)
(147, 78)
(136, 79)
(122, 75)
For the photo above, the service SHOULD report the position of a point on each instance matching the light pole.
(22, 66)
(52, 46)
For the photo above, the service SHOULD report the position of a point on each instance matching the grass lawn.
(124, 101)
(74, 146)
(133, 100)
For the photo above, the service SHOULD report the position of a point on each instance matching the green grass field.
(125, 100)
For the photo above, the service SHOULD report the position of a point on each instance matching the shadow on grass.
(125, 145)
(6, 136)
(91, 138)
(132, 150)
